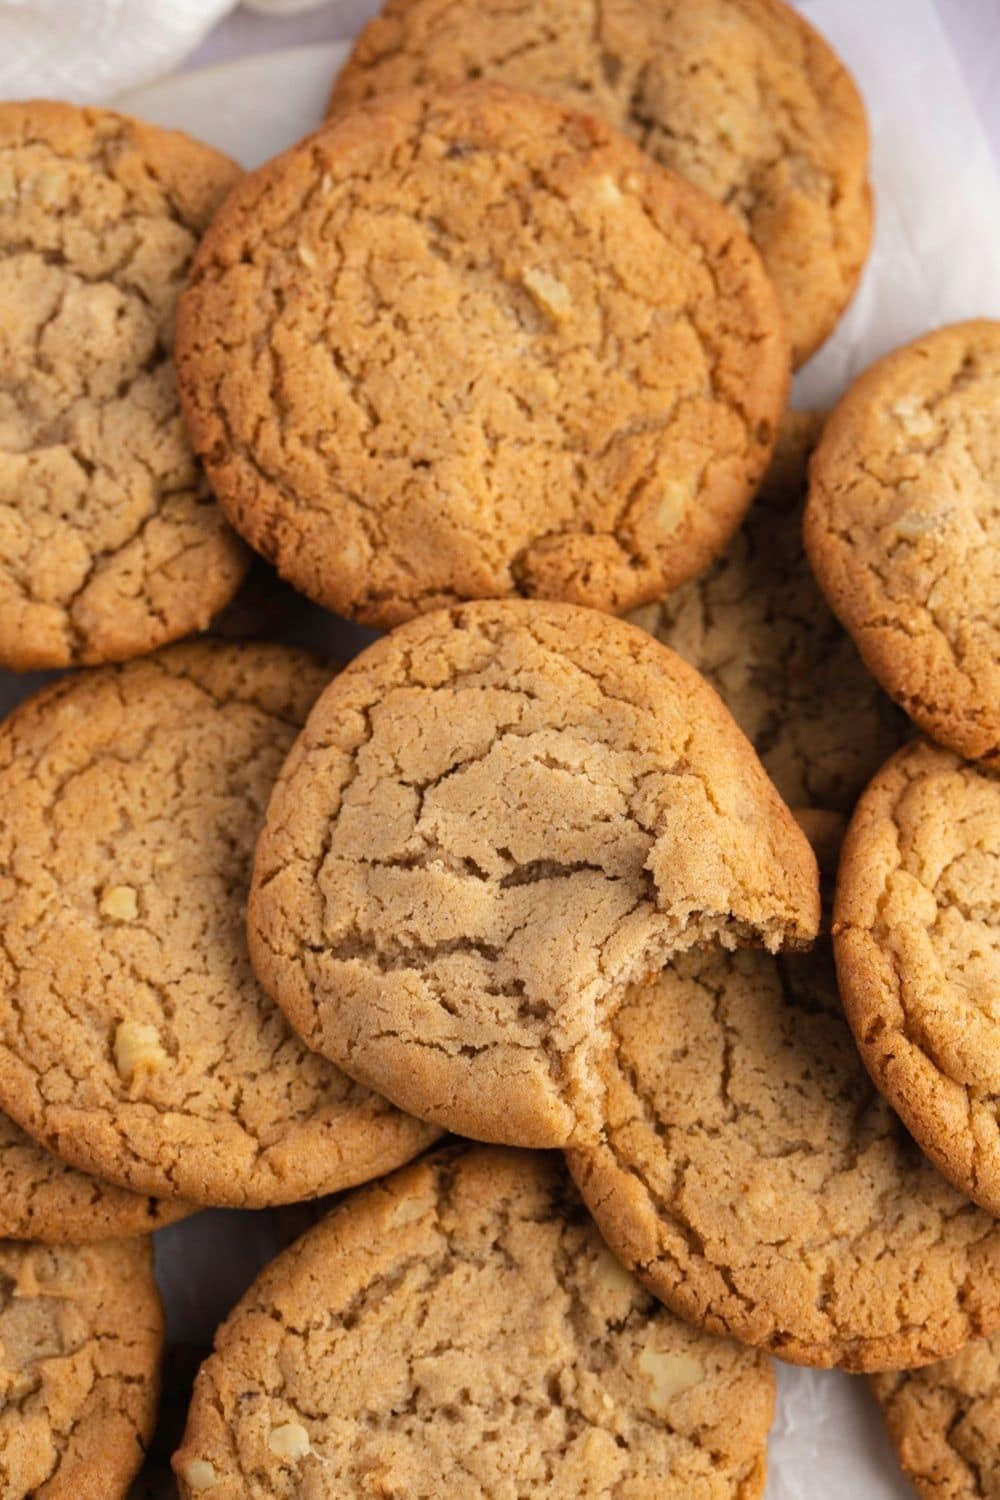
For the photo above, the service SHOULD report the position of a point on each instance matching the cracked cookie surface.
(741, 97)
(110, 541)
(903, 530)
(917, 939)
(495, 819)
(752, 1176)
(758, 628)
(81, 1332)
(460, 1332)
(41, 1198)
(474, 345)
(944, 1422)
(134, 1039)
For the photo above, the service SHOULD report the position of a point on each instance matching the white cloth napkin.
(93, 49)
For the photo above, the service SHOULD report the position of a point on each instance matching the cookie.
(757, 626)
(944, 1422)
(757, 1182)
(41, 1198)
(81, 1330)
(903, 530)
(110, 541)
(134, 1040)
(474, 345)
(917, 939)
(461, 1330)
(741, 97)
(495, 819)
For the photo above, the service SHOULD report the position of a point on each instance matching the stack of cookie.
(497, 356)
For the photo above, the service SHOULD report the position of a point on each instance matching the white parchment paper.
(936, 259)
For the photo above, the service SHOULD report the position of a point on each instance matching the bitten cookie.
(495, 819)
(473, 345)
(903, 530)
(758, 628)
(461, 1330)
(81, 1332)
(917, 939)
(134, 1040)
(944, 1422)
(41, 1198)
(110, 541)
(758, 1183)
(741, 97)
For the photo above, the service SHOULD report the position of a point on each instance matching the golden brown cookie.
(41, 1198)
(81, 1330)
(134, 1039)
(473, 345)
(741, 97)
(110, 541)
(496, 818)
(756, 1181)
(903, 530)
(756, 625)
(460, 1330)
(944, 1422)
(917, 939)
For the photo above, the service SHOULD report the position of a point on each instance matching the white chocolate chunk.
(289, 1441)
(121, 902)
(138, 1053)
(669, 1375)
(199, 1475)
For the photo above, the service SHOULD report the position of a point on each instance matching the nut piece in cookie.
(756, 625)
(472, 345)
(756, 1180)
(944, 1422)
(496, 818)
(81, 1334)
(134, 1039)
(917, 940)
(460, 1329)
(741, 97)
(110, 541)
(903, 530)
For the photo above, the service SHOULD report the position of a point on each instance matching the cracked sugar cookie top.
(944, 1422)
(110, 541)
(460, 1330)
(741, 97)
(495, 819)
(471, 345)
(134, 1040)
(903, 530)
(81, 1331)
(41, 1198)
(755, 1180)
(758, 628)
(917, 938)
